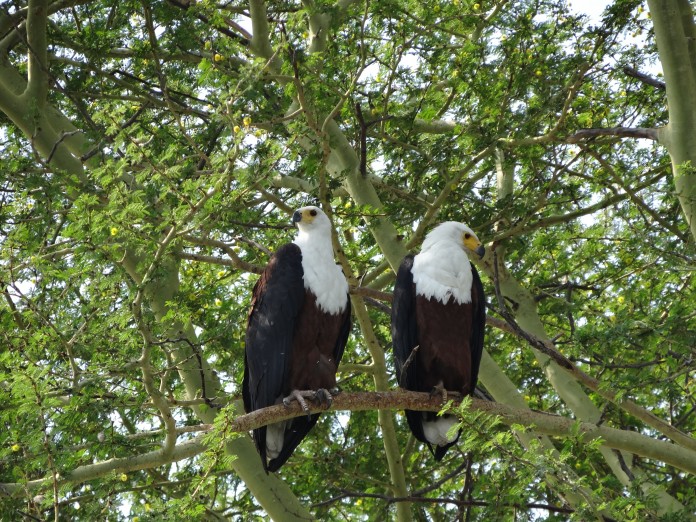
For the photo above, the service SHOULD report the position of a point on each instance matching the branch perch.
(549, 424)
(539, 422)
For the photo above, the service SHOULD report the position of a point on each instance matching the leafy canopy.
(151, 154)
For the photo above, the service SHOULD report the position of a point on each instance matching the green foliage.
(128, 280)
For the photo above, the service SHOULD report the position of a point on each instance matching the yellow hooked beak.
(306, 215)
(472, 243)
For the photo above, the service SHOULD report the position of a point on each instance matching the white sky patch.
(592, 8)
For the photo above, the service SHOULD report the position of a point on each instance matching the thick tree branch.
(539, 422)
(261, 34)
(150, 460)
(675, 32)
(37, 86)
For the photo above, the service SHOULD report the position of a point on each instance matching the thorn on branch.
(409, 360)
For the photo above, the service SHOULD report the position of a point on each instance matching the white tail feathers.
(437, 431)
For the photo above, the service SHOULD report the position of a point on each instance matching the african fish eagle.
(437, 323)
(296, 333)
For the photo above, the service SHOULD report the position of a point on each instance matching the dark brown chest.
(314, 348)
(444, 338)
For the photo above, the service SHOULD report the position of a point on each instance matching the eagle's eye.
(312, 212)
(467, 236)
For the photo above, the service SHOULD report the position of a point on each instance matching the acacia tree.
(152, 153)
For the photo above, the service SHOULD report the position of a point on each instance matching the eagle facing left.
(297, 330)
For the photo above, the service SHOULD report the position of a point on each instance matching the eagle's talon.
(439, 389)
(299, 396)
(324, 396)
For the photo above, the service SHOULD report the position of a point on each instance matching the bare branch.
(616, 132)
(434, 500)
(646, 79)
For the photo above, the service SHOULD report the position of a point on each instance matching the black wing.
(277, 300)
(478, 326)
(342, 338)
(403, 323)
(405, 338)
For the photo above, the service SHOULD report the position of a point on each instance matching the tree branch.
(617, 132)
(540, 422)
(420, 498)
(261, 40)
(548, 348)
(646, 79)
(37, 86)
(150, 460)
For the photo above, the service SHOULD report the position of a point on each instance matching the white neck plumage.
(319, 244)
(441, 271)
(321, 274)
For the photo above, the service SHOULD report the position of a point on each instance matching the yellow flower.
(123, 477)
(16, 447)
(147, 508)
(246, 121)
(218, 57)
(114, 231)
(236, 129)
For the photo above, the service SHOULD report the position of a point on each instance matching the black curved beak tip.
(481, 251)
(296, 217)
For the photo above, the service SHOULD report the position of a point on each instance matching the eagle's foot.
(324, 396)
(300, 396)
(440, 390)
(320, 396)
